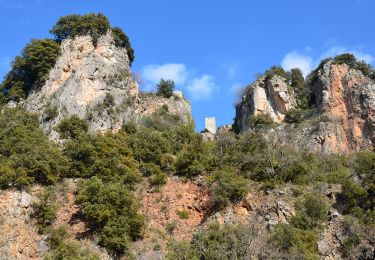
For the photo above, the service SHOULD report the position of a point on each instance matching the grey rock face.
(95, 84)
(268, 96)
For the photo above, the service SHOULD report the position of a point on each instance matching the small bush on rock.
(165, 88)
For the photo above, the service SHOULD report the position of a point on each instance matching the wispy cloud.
(296, 60)
(202, 87)
(199, 87)
(174, 71)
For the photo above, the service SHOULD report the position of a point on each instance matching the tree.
(26, 154)
(71, 26)
(165, 88)
(30, 70)
(122, 40)
(72, 127)
(227, 186)
(112, 211)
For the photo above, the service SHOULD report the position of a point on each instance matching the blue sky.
(211, 48)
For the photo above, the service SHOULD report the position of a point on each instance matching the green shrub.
(293, 116)
(214, 242)
(45, 210)
(261, 120)
(50, 113)
(158, 179)
(30, 70)
(182, 250)
(112, 212)
(357, 197)
(71, 26)
(350, 60)
(182, 214)
(26, 154)
(312, 211)
(106, 156)
(62, 247)
(222, 242)
(165, 88)
(194, 159)
(300, 244)
(276, 70)
(72, 127)
(122, 40)
(227, 186)
(171, 226)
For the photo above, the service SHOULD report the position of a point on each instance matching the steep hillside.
(91, 168)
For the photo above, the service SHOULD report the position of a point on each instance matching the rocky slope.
(343, 120)
(96, 84)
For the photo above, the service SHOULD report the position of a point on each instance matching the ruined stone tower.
(210, 124)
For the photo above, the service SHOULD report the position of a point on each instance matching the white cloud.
(202, 87)
(296, 60)
(174, 71)
(199, 87)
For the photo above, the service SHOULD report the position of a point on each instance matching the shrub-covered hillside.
(113, 165)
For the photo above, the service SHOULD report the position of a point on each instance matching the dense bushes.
(261, 120)
(45, 209)
(72, 127)
(91, 24)
(228, 186)
(30, 70)
(214, 242)
(112, 212)
(293, 116)
(26, 154)
(297, 243)
(358, 197)
(63, 247)
(122, 40)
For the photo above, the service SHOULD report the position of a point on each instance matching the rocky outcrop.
(348, 97)
(19, 237)
(95, 83)
(344, 117)
(270, 96)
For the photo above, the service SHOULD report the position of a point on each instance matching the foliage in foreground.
(111, 211)
(214, 242)
(26, 154)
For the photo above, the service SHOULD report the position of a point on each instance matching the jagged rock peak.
(94, 83)
(267, 95)
(341, 117)
(348, 97)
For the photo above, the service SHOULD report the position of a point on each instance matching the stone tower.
(210, 124)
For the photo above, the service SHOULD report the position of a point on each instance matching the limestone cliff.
(266, 95)
(95, 83)
(348, 97)
(342, 120)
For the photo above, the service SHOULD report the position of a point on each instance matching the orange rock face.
(349, 98)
